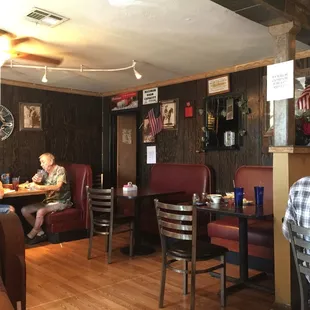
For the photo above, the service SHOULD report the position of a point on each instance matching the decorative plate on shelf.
(6, 122)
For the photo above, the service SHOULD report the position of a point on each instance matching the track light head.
(137, 74)
(44, 78)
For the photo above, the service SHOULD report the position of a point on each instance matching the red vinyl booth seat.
(188, 178)
(76, 217)
(225, 231)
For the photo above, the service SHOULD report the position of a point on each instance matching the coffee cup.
(216, 198)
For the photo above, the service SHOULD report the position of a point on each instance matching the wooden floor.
(61, 277)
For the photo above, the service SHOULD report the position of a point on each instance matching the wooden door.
(126, 163)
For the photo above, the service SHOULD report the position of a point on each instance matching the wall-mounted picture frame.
(30, 116)
(169, 112)
(219, 85)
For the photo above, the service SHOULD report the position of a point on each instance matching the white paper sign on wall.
(150, 96)
(280, 81)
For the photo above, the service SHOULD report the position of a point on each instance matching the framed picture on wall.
(30, 116)
(219, 85)
(169, 112)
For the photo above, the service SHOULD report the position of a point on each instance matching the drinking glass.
(204, 197)
(259, 195)
(259, 199)
(15, 183)
(40, 173)
(239, 197)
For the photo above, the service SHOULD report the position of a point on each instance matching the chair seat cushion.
(67, 215)
(259, 232)
(183, 249)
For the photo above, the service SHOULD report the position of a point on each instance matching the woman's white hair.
(50, 156)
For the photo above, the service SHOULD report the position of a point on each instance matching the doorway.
(125, 150)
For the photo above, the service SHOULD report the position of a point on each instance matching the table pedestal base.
(251, 282)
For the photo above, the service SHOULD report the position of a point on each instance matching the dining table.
(22, 192)
(248, 211)
(138, 196)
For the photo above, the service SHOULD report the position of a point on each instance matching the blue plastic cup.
(259, 195)
(238, 197)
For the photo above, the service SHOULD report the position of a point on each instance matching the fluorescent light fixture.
(44, 78)
(121, 2)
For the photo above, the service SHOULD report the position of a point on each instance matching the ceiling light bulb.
(121, 2)
(137, 74)
(44, 78)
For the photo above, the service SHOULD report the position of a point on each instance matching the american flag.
(303, 101)
(156, 121)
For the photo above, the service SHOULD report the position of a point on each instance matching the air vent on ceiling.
(43, 17)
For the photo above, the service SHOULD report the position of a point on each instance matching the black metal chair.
(98, 181)
(300, 246)
(178, 233)
(103, 221)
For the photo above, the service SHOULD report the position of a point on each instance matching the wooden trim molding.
(290, 149)
(51, 88)
(242, 67)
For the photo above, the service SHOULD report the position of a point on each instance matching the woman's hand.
(37, 178)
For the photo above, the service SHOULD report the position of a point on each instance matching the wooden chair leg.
(185, 278)
(131, 239)
(223, 282)
(162, 281)
(110, 244)
(90, 242)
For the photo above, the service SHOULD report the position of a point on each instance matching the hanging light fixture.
(137, 74)
(79, 69)
(44, 78)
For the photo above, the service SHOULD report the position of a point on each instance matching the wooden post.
(284, 110)
(288, 162)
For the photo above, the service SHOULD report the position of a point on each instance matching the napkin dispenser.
(130, 187)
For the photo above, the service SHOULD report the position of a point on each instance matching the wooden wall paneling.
(71, 130)
(188, 126)
(201, 93)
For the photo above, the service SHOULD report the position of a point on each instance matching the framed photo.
(169, 112)
(30, 116)
(147, 136)
(219, 85)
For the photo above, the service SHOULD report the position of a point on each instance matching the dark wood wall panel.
(71, 130)
(180, 146)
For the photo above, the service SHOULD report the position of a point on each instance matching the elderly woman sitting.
(58, 196)
(4, 208)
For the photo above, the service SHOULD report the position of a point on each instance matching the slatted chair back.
(98, 181)
(300, 245)
(101, 201)
(176, 221)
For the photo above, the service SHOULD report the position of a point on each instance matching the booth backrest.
(12, 259)
(79, 176)
(250, 176)
(189, 178)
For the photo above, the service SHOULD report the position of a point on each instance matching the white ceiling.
(167, 38)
